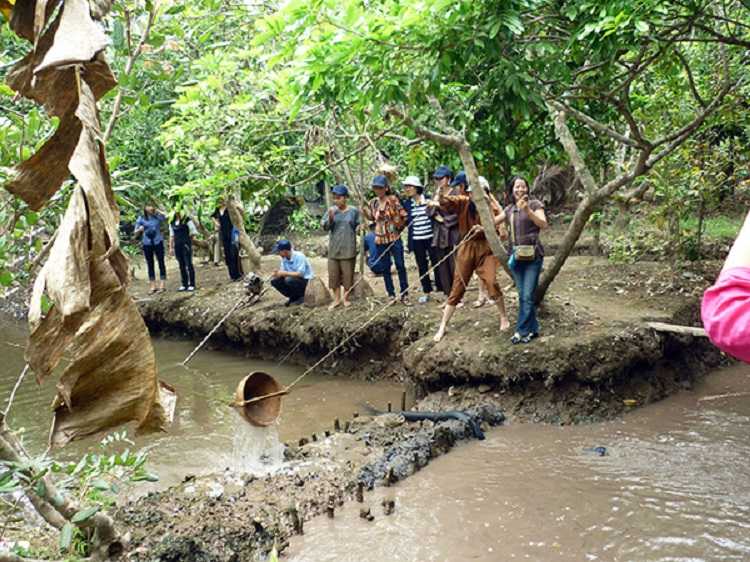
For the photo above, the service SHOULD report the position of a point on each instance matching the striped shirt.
(421, 223)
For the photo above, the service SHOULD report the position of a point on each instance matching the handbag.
(522, 252)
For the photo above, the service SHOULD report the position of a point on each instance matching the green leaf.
(510, 150)
(84, 515)
(145, 477)
(100, 484)
(66, 536)
(40, 488)
(175, 9)
(6, 90)
(642, 26)
(6, 278)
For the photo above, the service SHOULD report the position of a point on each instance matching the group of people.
(443, 231)
(182, 230)
(445, 234)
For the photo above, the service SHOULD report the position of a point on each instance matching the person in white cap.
(420, 234)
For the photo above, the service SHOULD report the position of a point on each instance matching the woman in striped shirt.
(420, 234)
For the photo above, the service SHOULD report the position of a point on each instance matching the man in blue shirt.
(291, 280)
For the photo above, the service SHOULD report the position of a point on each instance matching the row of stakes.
(337, 424)
(389, 504)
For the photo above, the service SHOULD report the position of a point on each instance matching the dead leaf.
(78, 38)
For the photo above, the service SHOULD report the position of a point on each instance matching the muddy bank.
(239, 517)
(596, 357)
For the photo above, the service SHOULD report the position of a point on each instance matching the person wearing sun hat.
(389, 216)
(341, 221)
(420, 234)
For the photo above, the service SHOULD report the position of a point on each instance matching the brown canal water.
(206, 432)
(674, 486)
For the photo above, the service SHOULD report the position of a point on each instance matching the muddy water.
(206, 433)
(675, 485)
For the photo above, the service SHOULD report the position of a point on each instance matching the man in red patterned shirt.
(389, 216)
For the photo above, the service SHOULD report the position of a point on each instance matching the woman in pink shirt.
(726, 305)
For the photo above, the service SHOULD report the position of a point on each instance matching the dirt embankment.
(595, 355)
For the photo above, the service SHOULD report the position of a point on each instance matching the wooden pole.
(676, 329)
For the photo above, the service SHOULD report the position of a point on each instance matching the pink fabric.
(726, 312)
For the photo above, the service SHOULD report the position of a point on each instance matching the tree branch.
(557, 106)
(132, 57)
(691, 81)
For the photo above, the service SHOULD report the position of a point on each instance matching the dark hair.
(509, 191)
(419, 189)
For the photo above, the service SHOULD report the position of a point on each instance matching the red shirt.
(389, 221)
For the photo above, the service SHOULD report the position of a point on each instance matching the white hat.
(412, 180)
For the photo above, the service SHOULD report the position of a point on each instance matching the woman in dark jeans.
(149, 226)
(181, 232)
(525, 219)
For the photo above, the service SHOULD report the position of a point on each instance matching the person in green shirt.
(341, 221)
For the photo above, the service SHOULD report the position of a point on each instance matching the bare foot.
(333, 305)
(347, 304)
(504, 324)
(439, 335)
(479, 303)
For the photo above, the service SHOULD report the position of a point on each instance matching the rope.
(320, 361)
(245, 301)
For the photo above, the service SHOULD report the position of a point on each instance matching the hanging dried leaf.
(78, 38)
(111, 377)
(38, 178)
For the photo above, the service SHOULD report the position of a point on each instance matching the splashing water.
(255, 449)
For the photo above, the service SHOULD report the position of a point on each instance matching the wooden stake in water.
(403, 401)
(360, 492)
(331, 506)
(297, 523)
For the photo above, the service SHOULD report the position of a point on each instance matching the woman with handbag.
(525, 219)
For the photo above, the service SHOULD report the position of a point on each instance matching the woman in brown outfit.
(474, 255)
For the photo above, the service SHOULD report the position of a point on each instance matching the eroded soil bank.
(596, 355)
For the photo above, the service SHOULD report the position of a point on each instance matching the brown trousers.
(475, 256)
(340, 272)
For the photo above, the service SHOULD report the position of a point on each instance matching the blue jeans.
(526, 276)
(397, 253)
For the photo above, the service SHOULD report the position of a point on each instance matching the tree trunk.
(234, 206)
(481, 200)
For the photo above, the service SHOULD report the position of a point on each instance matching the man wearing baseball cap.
(291, 280)
(341, 221)
(389, 216)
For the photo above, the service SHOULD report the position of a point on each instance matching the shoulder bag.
(521, 252)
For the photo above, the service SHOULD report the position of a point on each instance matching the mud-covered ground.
(238, 517)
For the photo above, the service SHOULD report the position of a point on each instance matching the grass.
(720, 227)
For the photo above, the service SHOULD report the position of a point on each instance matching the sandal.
(516, 338)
